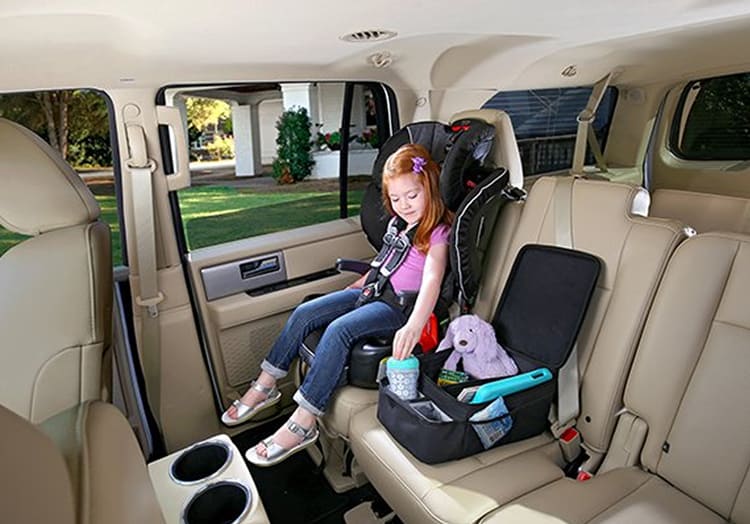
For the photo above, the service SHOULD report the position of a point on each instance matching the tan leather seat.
(689, 384)
(35, 486)
(56, 300)
(111, 484)
(606, 221)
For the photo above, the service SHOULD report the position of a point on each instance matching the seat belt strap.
(568, 405)
(141, 173)
(585, 133)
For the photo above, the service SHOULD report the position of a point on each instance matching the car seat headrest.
(467, 161)
(505, 153)
(433, 136)
(40, 191)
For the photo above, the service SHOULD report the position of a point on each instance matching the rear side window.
(76, 123)
(265, 157)
(713, 119)
(544, 121)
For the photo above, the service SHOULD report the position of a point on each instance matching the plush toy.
(473, 340)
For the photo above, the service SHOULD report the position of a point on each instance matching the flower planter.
(327, 163)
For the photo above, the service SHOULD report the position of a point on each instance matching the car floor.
(294, 491)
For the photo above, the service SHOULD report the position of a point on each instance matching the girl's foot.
(284, 436)
(261, 395)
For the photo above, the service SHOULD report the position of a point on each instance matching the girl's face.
(407, 197)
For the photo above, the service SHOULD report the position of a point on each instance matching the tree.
(205, 112)
(66, 119)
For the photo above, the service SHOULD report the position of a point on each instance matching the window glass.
(265, 157)
(714, 119)
(75, 123)
(544, 121)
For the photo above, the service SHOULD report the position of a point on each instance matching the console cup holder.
(222, 502)
(200, 462)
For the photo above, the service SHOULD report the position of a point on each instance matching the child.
(410, 191)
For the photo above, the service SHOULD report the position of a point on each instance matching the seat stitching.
(739, 490)
(732, 324)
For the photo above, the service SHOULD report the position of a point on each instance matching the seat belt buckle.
(570, 444)
(151, 304)
(366, 294)
(429, 337)
(583, 475)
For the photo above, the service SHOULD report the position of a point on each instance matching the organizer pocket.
(446, 433)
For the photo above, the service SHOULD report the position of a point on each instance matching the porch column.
(246, 130)
(302, 95)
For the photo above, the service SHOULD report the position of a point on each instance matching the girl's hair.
(414, 160)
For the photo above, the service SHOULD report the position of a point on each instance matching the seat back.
(606, 220)
(109, 476)
(703, 211)
(56, 300)
(36, 486)
(690, 376)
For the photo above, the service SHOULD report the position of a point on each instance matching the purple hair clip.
(418, 164)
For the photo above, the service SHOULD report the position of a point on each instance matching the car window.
(265, 157)
(713, 119)
(545, 122)
(76, 123)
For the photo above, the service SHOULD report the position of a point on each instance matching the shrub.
(293, 143)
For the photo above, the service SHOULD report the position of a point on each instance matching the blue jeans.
(346, 326)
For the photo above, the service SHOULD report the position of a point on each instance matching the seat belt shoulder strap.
(149, 297)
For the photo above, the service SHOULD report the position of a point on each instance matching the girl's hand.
(359, 283)
(404, 341)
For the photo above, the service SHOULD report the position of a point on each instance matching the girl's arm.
(429, 291)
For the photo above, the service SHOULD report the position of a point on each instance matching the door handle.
(259, 267)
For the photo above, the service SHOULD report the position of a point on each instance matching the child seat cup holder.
(207, 482)
(226, 501)
(200, 462)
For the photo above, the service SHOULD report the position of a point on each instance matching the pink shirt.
(408, 276)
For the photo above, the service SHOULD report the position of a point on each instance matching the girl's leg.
(306, 318)
(374, 319)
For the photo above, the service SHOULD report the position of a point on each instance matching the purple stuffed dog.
(473, 340)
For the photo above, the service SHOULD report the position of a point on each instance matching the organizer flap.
(544, 303)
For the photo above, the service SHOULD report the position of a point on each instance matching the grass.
(216, 214)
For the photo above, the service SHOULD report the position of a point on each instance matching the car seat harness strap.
(397, 242)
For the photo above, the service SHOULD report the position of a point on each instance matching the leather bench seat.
(689, 384)
(607, 220)
(625, 495)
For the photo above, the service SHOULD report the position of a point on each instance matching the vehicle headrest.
(505, 153)
(40, 191)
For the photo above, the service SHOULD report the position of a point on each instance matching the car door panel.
(242, 320)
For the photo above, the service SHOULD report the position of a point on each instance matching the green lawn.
(215, 214)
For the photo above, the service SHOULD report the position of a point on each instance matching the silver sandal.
(276, 453)
(245, 412)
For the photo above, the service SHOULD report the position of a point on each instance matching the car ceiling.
(440, 44)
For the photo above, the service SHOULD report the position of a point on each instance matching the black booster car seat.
(471, 186)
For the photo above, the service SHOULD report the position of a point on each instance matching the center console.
(206, 483)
